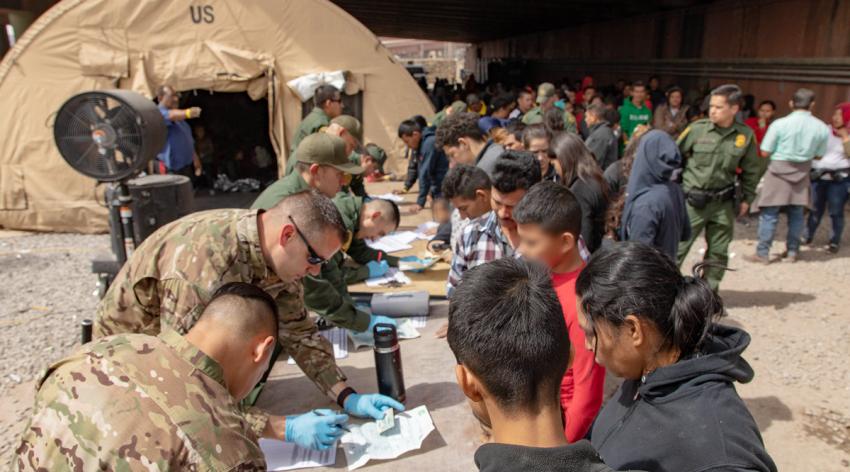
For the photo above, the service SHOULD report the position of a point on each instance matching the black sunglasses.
(312, 258)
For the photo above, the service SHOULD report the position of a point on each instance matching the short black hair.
(324, 93)
(249, 292)
(463, 180)
(408, 127)
(506, 326)
(391, 212)
(517, 128)
(456, 126)
(731, 92)
(420, 120)
(314, 213)
(502, 101)
(516, 170)
(673, 89)
(638, 83)
(767, 102)
(551, 206)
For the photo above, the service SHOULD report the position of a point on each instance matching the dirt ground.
(797, 314)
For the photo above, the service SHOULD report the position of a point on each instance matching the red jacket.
(582, 386)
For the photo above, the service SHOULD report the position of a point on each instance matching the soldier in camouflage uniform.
(546, 100)
(713, 149)
(322, 165)
(372, 162)
(327, 293)
(169, 279)
(139, 402)
(327, 102)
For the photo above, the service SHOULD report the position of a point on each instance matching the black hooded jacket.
(655, 211)
(686, 417)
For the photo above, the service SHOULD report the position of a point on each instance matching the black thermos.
(388, 362)
(85, 335)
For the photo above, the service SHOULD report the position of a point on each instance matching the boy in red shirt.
(549, 223)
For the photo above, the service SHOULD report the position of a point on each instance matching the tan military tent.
(254, 46)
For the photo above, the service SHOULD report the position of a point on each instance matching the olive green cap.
(378, 154)
(544, 92)
(327, 150)
(351, 124)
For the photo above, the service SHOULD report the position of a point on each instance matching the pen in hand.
(342, 427)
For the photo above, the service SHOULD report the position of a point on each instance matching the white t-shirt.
(834, 157)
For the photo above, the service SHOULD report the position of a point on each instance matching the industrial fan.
(111, 135)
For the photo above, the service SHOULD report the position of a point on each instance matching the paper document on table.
(417, 266)
(405, 330)
(391, 197)
(288, 456)
(427, 230)
(393, 276)
(364, 442)
(393, 242)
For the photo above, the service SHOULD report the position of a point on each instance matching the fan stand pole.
(126, 212)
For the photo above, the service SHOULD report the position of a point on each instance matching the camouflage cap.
(351, 124)
(544, 92)
(325, 149)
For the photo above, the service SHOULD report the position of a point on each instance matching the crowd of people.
(566, 213)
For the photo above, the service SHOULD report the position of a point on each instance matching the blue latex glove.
(318, 429)
(370, 405)
(380, 319)
(377, 269)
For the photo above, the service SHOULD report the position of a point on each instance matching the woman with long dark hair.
(582, 175)
(677, 410)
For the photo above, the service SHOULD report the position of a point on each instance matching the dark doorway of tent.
(232, 141)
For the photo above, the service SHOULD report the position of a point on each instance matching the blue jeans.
(767, 228)
(831, 194)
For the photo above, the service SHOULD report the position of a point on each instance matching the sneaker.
(756, 259)
(832, 249)
(791, 257)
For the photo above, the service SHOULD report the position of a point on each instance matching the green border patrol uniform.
(712, 156)
(318, 148)
(327, 294)
(313, 122)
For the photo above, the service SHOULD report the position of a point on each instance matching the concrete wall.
(769, 47)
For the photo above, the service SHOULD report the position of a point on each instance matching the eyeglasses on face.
(312, 257)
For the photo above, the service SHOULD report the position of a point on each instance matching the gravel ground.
(797, 315)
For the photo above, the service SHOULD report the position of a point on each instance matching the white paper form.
(391, 197)
(426, 230)
(394, 242)
(392, 275)
(364, 442)
(288, 456)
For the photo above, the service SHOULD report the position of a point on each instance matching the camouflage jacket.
(172, 275)
(137, 402)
